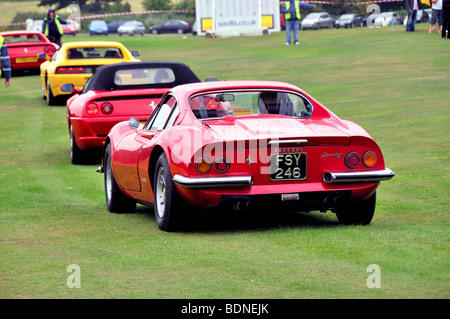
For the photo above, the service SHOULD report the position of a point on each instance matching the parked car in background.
(242, 145)
(98, 27)
(24, 48)
(115, 93)
(131, 28)
(172, 26)
(114, 25)
(317, 20)
(349, 20)
(386, 18)
(69, 28)
(75, 62)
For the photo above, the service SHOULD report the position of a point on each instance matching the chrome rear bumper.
(348, 177)
(209, 182)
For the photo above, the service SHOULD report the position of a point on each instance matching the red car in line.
(242, 145)
(24, 48)
(115, 93)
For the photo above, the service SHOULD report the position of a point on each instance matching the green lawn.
(394, 84)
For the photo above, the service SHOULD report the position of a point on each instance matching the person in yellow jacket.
(5, 62)
(52, 28)
(291, 12)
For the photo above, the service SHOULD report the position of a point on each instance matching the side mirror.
(134, 123)
(211, 79)
(136, 53)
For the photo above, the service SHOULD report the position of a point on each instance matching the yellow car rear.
(75, 62)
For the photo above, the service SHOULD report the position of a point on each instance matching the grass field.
(394, 84)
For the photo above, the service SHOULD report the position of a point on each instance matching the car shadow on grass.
(245, 221)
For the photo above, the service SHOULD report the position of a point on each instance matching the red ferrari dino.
(115, 93)
(242, 145)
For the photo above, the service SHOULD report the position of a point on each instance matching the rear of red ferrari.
(24, 55)
(265, 155)
(308, 172)
(96, 113)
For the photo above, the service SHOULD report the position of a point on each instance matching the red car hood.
(248, 128)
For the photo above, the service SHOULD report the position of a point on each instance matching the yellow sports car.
(75, 62)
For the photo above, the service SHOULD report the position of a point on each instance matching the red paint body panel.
(327, 140)
(91, 130)
(28, 49)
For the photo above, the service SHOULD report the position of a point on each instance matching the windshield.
(22, 38)
(313, 16)
(346, 16)
(98, 23)
(229, 103)
(386, 14)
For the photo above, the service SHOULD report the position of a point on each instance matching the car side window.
(161, 115)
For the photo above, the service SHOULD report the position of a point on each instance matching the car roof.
(80, 44)
(194, 88)
(103, 78)
(19, 32)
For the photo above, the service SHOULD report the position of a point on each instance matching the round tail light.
(369, 159)
(106, 108)
(92, 109)
(221, 165)
(352, 160)
(203, 165)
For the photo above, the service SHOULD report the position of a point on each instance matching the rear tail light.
(70, 70)
(221, 165)
(46, 49)
(352, 160)
(92, 109)
(106, 108)
(369, 159)
(203, 165)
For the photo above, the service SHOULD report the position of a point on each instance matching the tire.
(154, 31)
(77, 156)
(51, 100)
(115, 200)
(167, 201)
(358, 214)
(180, 31)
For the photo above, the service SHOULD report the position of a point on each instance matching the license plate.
(26, 60)
(290, 166)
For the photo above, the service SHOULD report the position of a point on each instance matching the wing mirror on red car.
(134, 123)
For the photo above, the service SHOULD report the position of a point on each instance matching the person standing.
(52, 28)
(436, 16)
(5, 62)
(412, 6)
(445, 19)
(291, 11)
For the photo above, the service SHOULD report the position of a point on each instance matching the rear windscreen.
(144, 76)
(94, 53)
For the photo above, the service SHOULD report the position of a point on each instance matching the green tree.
(157, 4)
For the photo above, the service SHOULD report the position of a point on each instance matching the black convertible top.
(140, 75)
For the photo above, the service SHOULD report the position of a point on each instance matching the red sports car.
(241, 145)
(115, 93)
(24, 48)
